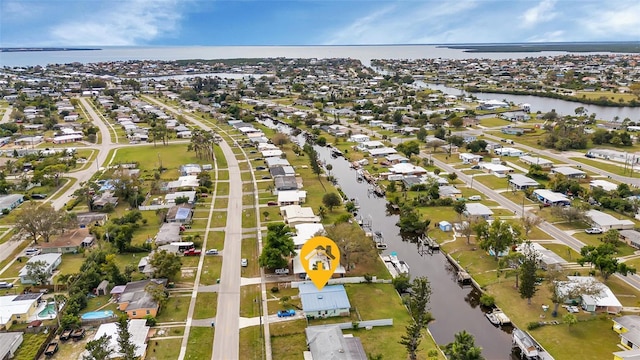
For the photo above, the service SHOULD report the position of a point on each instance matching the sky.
(312, 22)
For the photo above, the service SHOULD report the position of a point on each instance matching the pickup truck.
(593, 231)
(192, 252)
(286, 313)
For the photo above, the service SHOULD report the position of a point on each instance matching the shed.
(444, 225)
(103, 288)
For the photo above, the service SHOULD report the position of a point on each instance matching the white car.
(475, 197)
(244, 262)
(211, 252)
(593, 231)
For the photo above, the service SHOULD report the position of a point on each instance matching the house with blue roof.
(331, 301)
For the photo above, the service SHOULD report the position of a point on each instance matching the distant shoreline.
(619, 47)
(37, 49)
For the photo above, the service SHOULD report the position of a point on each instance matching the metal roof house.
(606, 222)
(551, 197)
(52, 261)
(332, 300)
(605, 301)
(628, 327)
(328, 343)
(477, 210)
(630, 237)
(536, 160)
(10, 202)
(569, 172)
(521, 182)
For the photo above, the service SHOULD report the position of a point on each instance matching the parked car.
(5, 285)
(283, 271)
(272, 203)
(192, 252)
(475, 167)
(475, 197)
(244, 262)
(265, 177)
(593, 230)
(286, 313)
(39, 196)
(261, 168)
(211, 252)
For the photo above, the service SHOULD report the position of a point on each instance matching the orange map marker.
(320, 257)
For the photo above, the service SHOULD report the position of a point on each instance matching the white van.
(283, 271)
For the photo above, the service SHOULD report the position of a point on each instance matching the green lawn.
(250, 300)
(288, 340)
(612, 168)
(211, 269)
(250, 252)
(563, 251)
(218, 219)
(30, 345)
(206, 305)
(163, 349)
(251, 343)
(493, 182)
(175, 309)
(494, 122)
(200, 344)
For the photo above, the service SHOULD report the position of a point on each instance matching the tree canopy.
(166, 265)
(463, 348)
(278, 246)
(602, 257)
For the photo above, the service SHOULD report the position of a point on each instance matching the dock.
(432, 244)
(464, 278)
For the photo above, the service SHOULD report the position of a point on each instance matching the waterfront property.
(604, 302)
(296, 214)
(328, 343)
(331, 301)
(305, 232)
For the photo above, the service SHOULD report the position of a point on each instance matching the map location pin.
(320, 257)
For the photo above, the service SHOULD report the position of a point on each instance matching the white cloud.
(620, 20)
(120, 23)
(543, 12)
(401, 23)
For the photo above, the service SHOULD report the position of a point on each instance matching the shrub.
(533, 325)
(487, 300)
(275, 289)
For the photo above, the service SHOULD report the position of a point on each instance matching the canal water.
(454, 308)
(538, 103)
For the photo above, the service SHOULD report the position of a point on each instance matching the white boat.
(395, 266)
(381, 246)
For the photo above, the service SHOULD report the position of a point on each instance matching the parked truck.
(192, 252)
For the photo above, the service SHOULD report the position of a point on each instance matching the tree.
(419, 300)
(477, 146)
(157, 293)
(456, 122)
(463, 348)
(280, 139)
(401, 283)
(166, 265)
(279, 245)
(127, 347)
(602, 257)
(409, 148)
(331, 200)
(561, 294)
(435, 143)
(422, 134)
(499, 237)
(570, 319)
(38, 220)
(459, 207)
(466, 229)
(410, 223)
(98, 349)
(612, 236)
(528, 269)
(355, 247)
(529, 222)
(37, 272)
(569, 213)
(411, 340)
(512, 263)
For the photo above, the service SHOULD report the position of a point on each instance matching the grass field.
(206, 305)
(163, 349)
(251, 343)
(175, 309)
(200, 343)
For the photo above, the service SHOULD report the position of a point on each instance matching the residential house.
(9, 343)
(18, 308)
(190, 169)
(477, 211)
(630, 237)
(549, 197)
(449, 191)
(382, 152)
(168, 233)
(512, 130)
(607, 222)
(521, 182)
(508, 151)
(105, 198)
(331, 301)
(276, 161)
(359, 138)
(91, 219)
(498, 170)
(547, 259)
(136, 301)
(190, 196)
(291, 197)
(10, 202)
(184, 182)
(395, 159)
(70, 241)
(628, 327)
(569, 172)
(407, 169)
(51, 263)
(328, 343)
(139, 335)
(536, 160)
(368, 145)
(468, 158)
(305, 232)
(285, 183)
(603, 184)
(605, 301)
(296, 214)
(181, 214)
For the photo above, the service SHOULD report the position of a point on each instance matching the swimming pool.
(93, 315)
(49, 311)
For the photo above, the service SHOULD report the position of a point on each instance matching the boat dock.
(396, 267)
(464, 278)
(529, 348)
(432, 244)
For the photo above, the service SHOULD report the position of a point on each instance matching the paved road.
(7, 115)
(564, 159)
(103, 150)
(226, 341)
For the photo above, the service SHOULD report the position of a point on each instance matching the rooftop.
(329, 298)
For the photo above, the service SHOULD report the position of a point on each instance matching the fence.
(361, 324)
(154, 207)
(344, 280)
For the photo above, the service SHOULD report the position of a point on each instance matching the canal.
(454, 308)
(543, 104)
